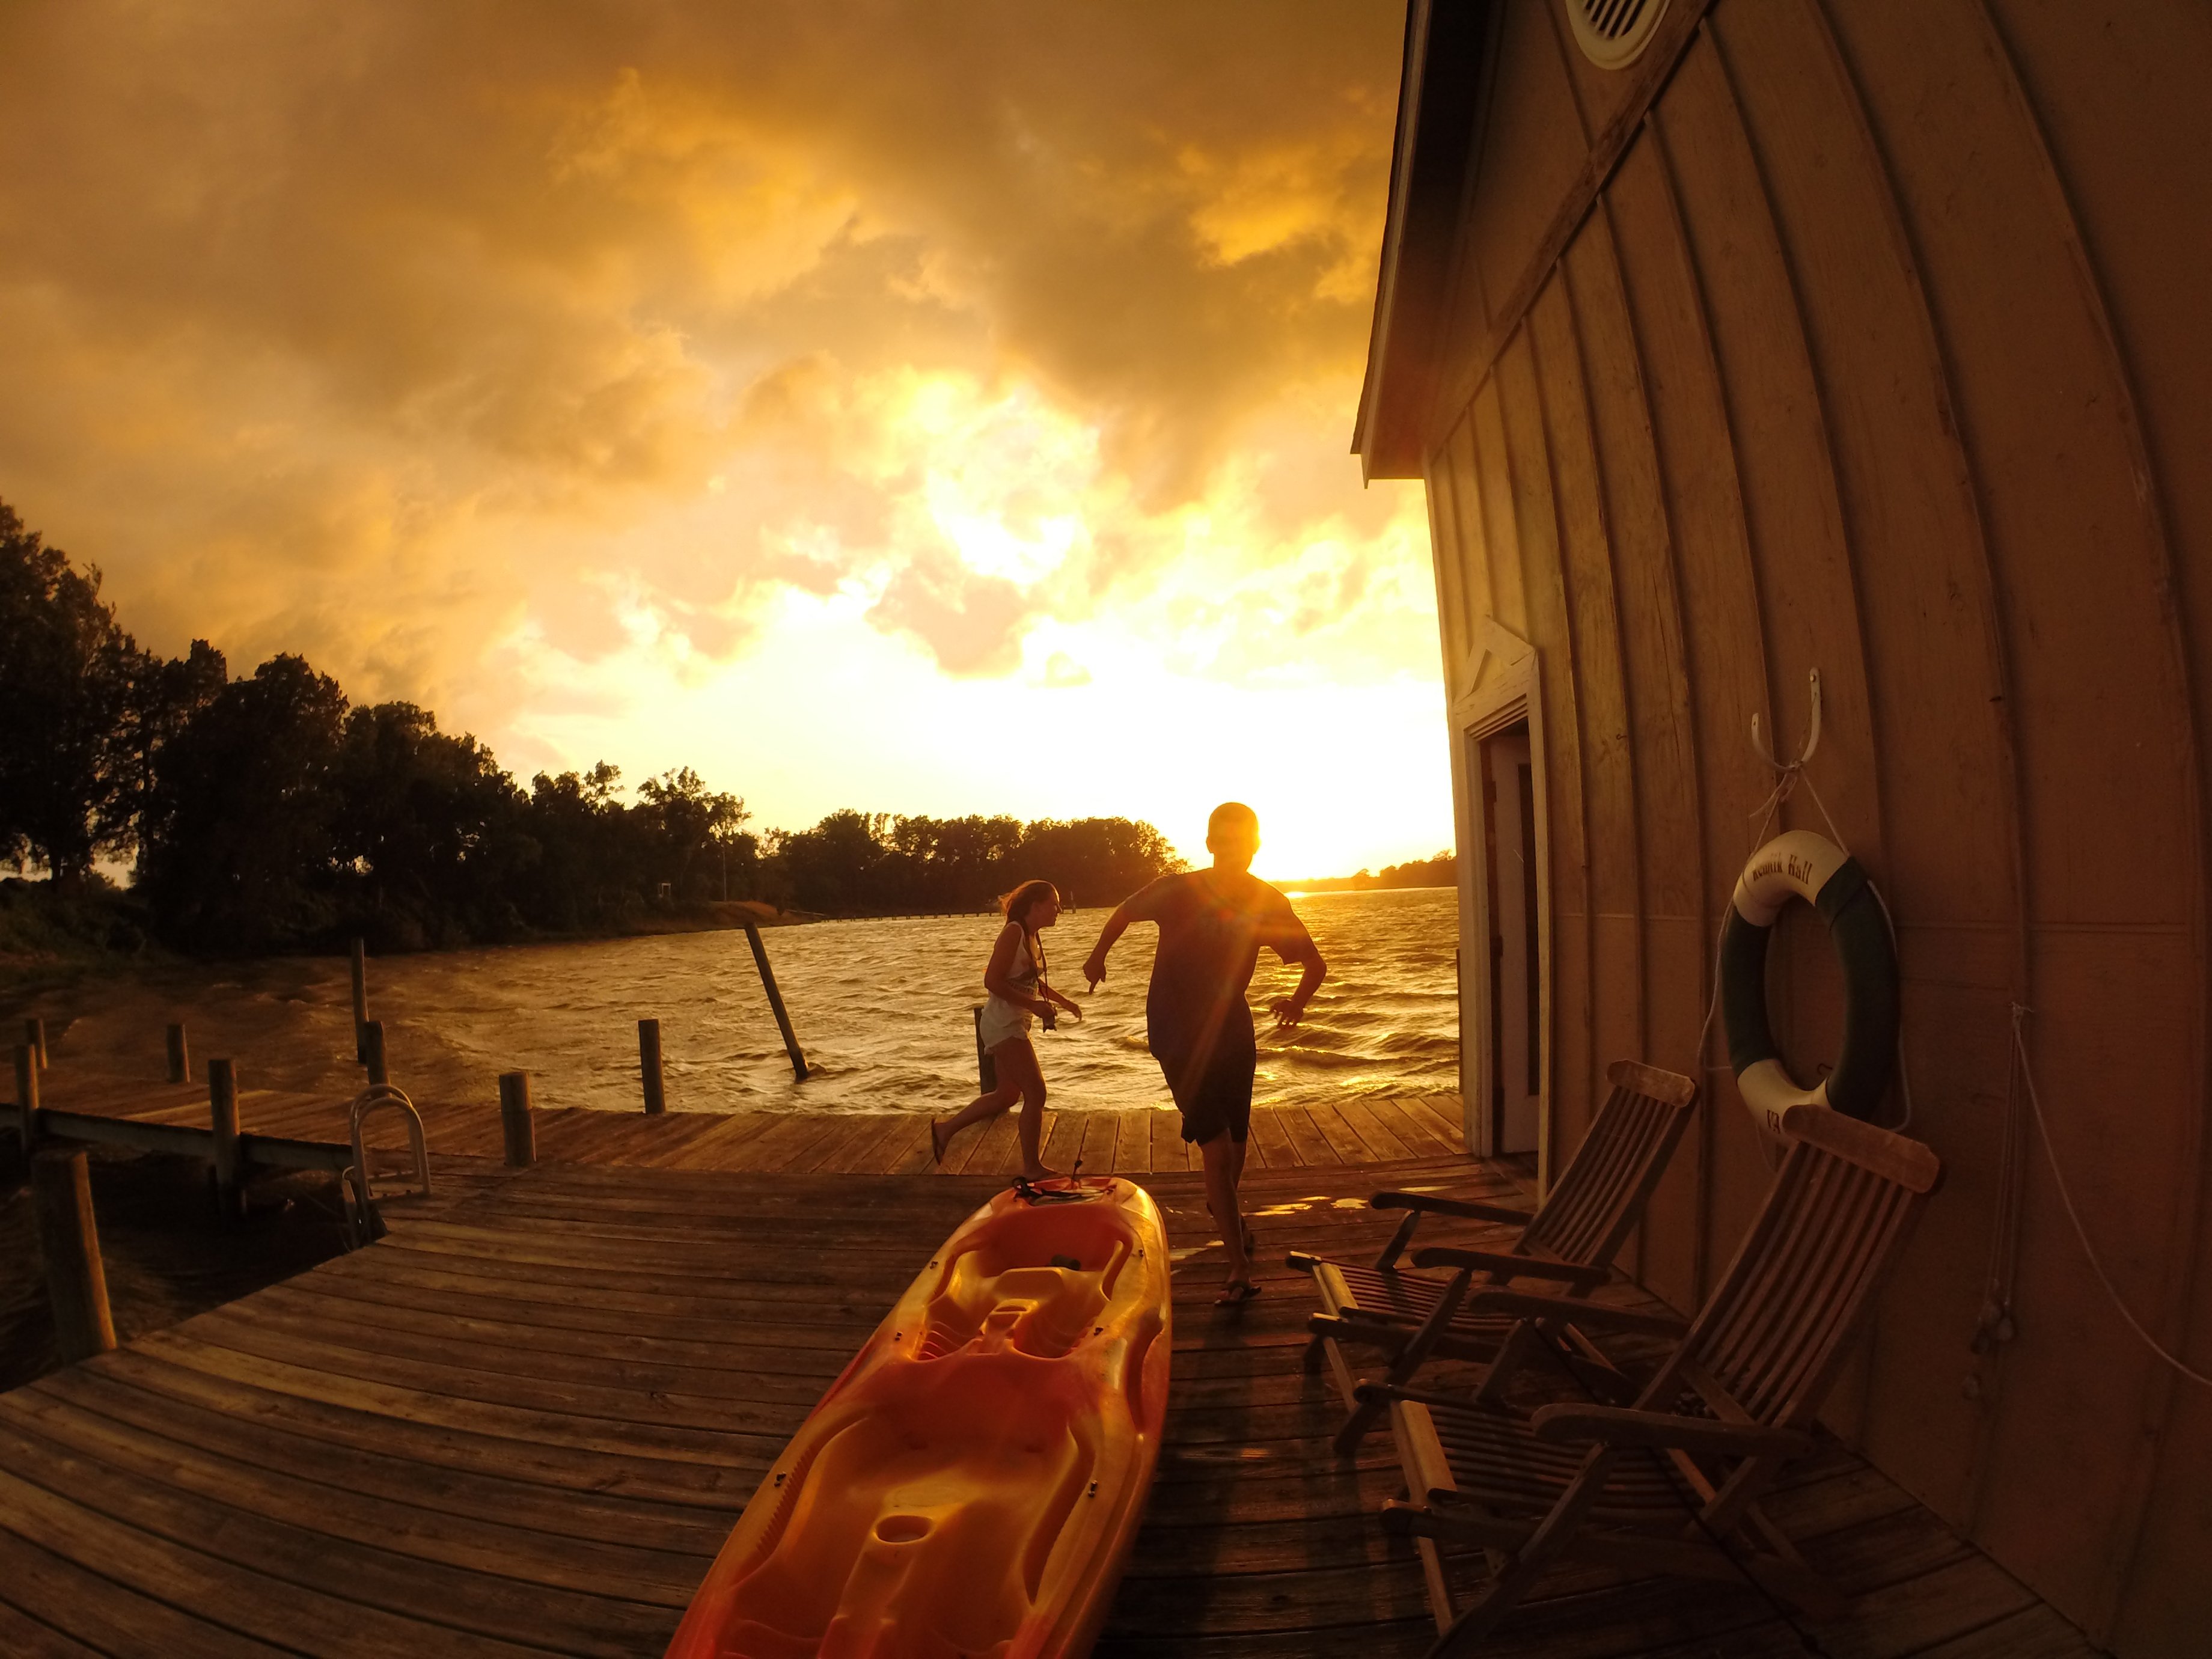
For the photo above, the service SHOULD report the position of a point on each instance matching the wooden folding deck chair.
(1673, 1484)
(1569, 1241)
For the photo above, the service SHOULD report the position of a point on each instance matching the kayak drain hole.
(903, 1528)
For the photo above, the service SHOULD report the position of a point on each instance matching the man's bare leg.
(1224, 1165)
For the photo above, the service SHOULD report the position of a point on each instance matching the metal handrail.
(356, 1177)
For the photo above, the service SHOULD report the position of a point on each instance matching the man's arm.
(1294, 944)
(1145, 904)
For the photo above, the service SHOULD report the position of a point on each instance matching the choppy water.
(880, 1007)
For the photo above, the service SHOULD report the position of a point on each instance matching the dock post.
(372, 1051)
(27, 1096)
(648, 1066)
(514, 1124)
(34, 1038)
(360, 1002)
(222, 1118)
(776, 1001)
(69, 1245)
(986, 1069)
(180, 1055)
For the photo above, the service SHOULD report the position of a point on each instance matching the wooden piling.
(26, 1096)
(775, 1001)
(514, 1122)
(360, 1002)
(68, 1246)
(180, 1055)
(372, 1051)
(34, 1038)
(648, 1066)
(222, 1118)
(986, 1069)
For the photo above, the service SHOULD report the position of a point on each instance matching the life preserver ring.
(1801, 865)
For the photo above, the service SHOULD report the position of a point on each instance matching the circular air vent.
(1613, 34)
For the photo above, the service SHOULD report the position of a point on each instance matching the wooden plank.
(867, 1154)
(1063, 1143)
(1133, 1140)
(486, 1603)
(1271, 1142)
(1342, 1139)
(1382, 1142)
(400, 1468)
(833, 1152)
(255, 1604)
(433, 1444)
(909, 1155)
(981, 1146)
(21, 1634)
(994, 1144)
(723, 1145)
(1413, 1131)
(105, 1615)
(1313, 1147)
(1169, 1150)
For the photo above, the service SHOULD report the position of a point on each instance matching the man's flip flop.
(1237, 1294)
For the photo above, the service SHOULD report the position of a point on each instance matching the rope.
(2043, 1132)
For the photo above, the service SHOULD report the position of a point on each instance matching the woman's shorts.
(1001, 1023)
(1214, 1091)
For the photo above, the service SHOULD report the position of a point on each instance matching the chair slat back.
(1588, 1214)
(1806, 1275)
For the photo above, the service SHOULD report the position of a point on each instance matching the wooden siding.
(1880, 351)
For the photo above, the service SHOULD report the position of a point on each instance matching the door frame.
(1497, 687)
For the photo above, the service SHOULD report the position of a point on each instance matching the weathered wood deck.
(524, 1422)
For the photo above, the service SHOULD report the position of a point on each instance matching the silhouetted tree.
(244, 853)
(162, 698)
(691, 831)
(66, 674)
(428, 835)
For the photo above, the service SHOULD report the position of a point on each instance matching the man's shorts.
(1214, 1091)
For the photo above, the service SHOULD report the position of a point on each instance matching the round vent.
(1613, 34)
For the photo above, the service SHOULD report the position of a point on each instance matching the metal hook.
(1812, 732)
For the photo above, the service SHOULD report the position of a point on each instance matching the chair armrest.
(1467, 1209)
(1511, 1267)
(1377, 1393)
(1621, 1425)
(1590, 1315)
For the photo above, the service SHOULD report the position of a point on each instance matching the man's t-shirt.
(1210, 940)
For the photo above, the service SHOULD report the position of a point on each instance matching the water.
(880, 1007)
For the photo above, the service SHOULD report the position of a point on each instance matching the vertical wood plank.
(1569, 1068)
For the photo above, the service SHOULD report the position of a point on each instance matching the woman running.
(1015, 979)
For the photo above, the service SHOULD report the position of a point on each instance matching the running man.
(1212, 923)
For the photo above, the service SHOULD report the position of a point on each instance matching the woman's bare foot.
(1038, 1172)
(936, 1139)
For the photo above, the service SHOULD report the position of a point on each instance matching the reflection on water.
(880, 1007)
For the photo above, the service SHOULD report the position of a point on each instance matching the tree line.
(268, 812)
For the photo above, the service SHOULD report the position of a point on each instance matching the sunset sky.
(930, 408)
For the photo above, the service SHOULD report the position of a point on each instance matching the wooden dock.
(523, 1421)
(1137, 1140)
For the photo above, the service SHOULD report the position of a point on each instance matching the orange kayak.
(972, 1484)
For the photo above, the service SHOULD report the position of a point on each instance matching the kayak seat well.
(993, 1295)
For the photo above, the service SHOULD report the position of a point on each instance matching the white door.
(1517, 1002)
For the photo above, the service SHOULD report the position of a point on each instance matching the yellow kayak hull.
(971, 1486)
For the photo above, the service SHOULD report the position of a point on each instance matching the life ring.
(1801, 865)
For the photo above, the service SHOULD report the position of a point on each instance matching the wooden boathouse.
(1742, 342)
